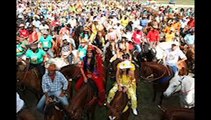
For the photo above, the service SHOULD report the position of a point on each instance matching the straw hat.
(126, 64)
(155, 26)
(84, 40)
(52, 67)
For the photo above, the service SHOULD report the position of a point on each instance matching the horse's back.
(179, 114)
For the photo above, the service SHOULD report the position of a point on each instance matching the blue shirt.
(144, 22)
(59, 82)
(189, 39)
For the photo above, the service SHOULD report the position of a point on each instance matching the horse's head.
(117, 107)
(175, 85)
(53, 110)
(21, 65)
(75, 113)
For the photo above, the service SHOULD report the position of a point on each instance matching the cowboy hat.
(21, 25)
(90, 47)
(34, 46)
(155, 26)
(52, 67)
(126, 64)
(84, 40)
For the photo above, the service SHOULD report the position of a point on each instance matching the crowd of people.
(90, 27)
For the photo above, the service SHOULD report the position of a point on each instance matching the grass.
(178, 2)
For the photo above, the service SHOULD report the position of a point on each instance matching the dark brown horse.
(25, 114)
(117, 108)
(72, 73)
(177, 114)
(157, 74)
(83, 102)
(29, 79)
(54, 110)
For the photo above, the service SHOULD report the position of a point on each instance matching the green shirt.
(19, 50)
(46, 42)
(36, 58)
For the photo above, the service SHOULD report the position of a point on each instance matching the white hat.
(139, 27)
(126, 64)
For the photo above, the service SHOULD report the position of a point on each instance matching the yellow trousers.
(92, 37)
(131, 92)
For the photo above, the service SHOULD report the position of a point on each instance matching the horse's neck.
(80, 99)
(187, 85)
(120, 98)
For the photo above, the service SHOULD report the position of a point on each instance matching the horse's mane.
(49, 110)
(118, 104)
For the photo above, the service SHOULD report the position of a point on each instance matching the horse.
(190, 54)
(119, 108)
(25, 114)
(76, 34)
(185, 86)
(72, 73)
(177, 114)
(83, 100)
(54, 110)
(157, 74)
(31, 79)
(56, 46)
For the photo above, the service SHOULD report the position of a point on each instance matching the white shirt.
(172, 57)
(19, 103)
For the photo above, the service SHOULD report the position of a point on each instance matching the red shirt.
(153, 35)
(137, 37)
(55, 23)
(191, 23)
(24, 33)
(33, 37)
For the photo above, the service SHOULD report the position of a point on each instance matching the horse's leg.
(126, 114)
(161, 99)
(154, 93)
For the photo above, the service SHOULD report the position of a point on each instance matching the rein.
(153, 79)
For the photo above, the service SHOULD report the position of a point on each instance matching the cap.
(126, 64)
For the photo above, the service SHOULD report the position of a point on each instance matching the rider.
(171, 58)
(92, 67)
(53, 83)
(36, 57)
(125, 81)
(67, 48)
(46, 42)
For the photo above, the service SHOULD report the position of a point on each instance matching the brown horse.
(71, 72)
(157, 74)
(83, 102)
(177, 114)
(190, 53)
(54, 110)
(117, 106)
(56, 46)
(29, 79)
(25, 114)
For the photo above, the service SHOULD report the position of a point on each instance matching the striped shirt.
(59, 83)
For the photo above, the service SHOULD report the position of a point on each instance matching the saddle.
(169, 75)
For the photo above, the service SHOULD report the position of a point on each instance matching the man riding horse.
(53, 83)
(171, 58)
